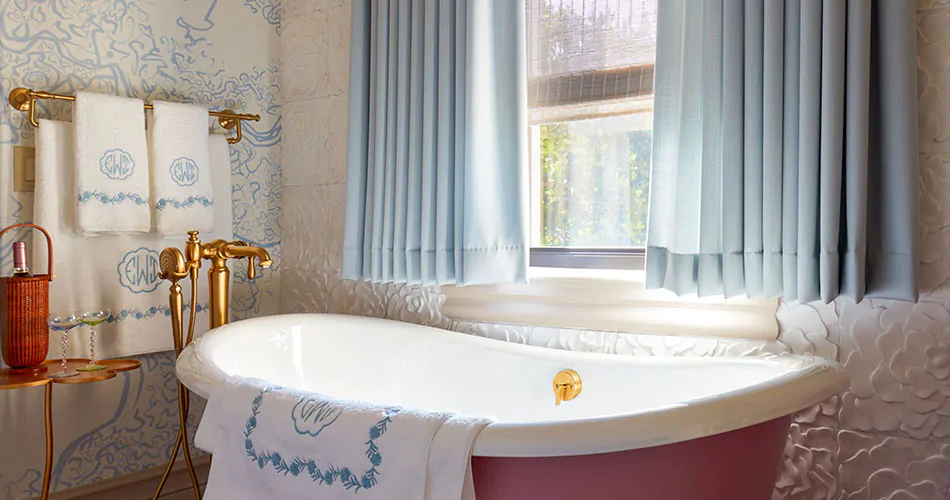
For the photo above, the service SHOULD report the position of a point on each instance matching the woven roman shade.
(589, 58)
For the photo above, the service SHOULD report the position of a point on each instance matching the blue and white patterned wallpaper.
(223, 53)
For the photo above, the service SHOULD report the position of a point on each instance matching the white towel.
(219, 151)
(180, 164)
(115, 271)
(111, 163)
(271, 442)
(450, 459)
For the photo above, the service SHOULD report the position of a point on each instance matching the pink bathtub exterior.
(737, 465)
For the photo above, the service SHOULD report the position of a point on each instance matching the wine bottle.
(20, 268)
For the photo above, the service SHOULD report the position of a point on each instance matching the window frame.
(629, 259)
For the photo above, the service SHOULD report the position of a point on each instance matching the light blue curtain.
(436, 179)
(785, 149)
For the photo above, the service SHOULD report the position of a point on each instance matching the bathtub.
(651, 428)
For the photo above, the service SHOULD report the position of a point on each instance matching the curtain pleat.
(809, 130)
(436, 185)
(858, 59)
(807, 161)
(389, 155)
(414, 160)
(752, 182)
(375, 204)
(733, 119)
(429, 142)
(893, 236)
(401, 174)
(772, 151)
(833, 36)
(709, 273)
(790, 145)
(445, 156)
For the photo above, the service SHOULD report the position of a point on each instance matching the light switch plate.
(24, 168)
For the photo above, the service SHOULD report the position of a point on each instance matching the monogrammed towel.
(111, 164)
(274, 442)
(119, 272)
(180, 164)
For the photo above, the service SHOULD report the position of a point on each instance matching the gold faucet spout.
(219, 252)
(239, 249)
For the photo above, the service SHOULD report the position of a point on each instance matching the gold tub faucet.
(219, 276)
(176, 266)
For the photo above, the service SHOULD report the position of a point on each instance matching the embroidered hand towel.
(111, 165)
(115, 271)
(181, 180)
(273, 442)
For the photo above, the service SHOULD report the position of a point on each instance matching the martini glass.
(92, 319)
(63, 323)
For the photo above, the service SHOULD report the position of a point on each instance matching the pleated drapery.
(785, 149)
(437, 150)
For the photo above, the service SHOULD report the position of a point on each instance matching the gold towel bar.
(22, 99)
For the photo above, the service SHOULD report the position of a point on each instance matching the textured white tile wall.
(887, 437)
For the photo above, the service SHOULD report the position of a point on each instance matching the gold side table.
(20, 379)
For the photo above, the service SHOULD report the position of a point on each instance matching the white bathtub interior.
(383, 362)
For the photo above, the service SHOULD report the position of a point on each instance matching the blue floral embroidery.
(151, 312)
(105, 199)
(298, 465)
(164, 203)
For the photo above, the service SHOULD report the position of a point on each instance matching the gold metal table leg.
(48, 472)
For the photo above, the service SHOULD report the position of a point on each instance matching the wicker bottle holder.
(24, 307)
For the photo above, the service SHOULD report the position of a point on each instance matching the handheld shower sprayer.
(172, 265)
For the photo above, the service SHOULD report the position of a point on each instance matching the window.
(590, 98)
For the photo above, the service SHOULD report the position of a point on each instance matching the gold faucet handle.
(567, 385)
(559, 392)
(251, 268)
(193, 251)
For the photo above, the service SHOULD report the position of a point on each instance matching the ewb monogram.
(184, 171)
(139, 271)
(116, 164)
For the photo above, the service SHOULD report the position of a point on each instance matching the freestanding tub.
(647, 428)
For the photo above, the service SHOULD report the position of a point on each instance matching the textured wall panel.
(809, 470)
(876, 467)
(303, 46)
